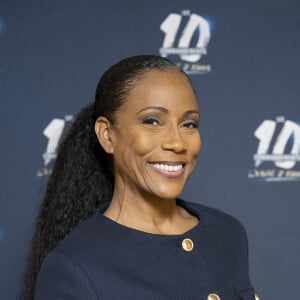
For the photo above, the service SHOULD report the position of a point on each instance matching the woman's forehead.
(157, 82)
(170, 89)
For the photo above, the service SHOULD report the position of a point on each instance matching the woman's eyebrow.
(189, 112)
(164, 110)
(160, 108)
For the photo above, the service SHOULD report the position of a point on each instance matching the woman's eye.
(190, 125)
(151, 121)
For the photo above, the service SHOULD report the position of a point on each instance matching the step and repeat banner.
(243, 58)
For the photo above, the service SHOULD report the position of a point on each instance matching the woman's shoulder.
(213, 218)
(67, 268)
(84, 237)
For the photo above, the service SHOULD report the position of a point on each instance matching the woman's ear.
(103, 130)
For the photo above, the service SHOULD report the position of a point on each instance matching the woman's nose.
(173, 140)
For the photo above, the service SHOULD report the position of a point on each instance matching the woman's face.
(156, 139)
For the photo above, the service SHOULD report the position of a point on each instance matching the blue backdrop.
(243, 58)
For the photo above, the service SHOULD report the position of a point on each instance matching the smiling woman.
(111, 225)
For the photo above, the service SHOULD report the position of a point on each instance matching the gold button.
(256, 297)
(187, 245)
(213, 297)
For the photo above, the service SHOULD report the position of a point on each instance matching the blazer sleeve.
(62, 278)
(244, 289)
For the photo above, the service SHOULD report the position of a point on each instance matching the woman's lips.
(168, 169)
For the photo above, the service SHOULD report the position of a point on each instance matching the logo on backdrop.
(186, 39)
(278, 151)
(54, 132)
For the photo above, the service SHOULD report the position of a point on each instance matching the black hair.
(82, 174)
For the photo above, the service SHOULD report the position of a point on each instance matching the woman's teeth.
(167, 167)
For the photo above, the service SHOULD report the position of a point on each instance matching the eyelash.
(188, 125)
(151, 121)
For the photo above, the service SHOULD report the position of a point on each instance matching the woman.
(111, 225)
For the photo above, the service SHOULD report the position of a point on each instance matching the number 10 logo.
(170, 26)
(54, 132)
(265, 133)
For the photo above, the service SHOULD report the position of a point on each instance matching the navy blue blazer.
(101, 259)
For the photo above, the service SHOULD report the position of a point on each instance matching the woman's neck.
(150, 214)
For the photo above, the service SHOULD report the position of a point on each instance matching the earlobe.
(103, 132)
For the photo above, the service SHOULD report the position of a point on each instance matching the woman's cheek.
(143, 143)
(198, 145)
(194, 145)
